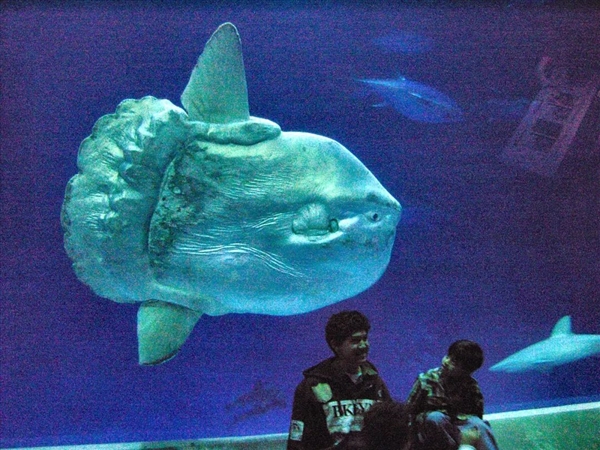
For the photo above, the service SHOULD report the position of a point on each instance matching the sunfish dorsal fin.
(562, 327)
(217, 92)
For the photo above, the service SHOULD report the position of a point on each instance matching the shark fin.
(217, 92)
(162, 329)
(562, 327)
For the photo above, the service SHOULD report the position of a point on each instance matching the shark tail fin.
(162, 329)
(217, 91)
(562, 327)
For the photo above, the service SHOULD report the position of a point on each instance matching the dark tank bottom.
(558, 428)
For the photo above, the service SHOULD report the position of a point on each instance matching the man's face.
(452, 368)
(354, 349)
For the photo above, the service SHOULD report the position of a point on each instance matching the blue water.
(487, 252)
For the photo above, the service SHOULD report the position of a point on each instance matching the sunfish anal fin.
(217, 92)
(162, 329)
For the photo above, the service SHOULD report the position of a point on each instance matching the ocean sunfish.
(208, 210)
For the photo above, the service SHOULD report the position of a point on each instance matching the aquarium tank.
(189, 190)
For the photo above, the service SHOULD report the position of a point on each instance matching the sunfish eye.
(374, 216)
(333, 226)
(313, 220)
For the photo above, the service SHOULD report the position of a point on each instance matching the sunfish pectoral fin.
(162, 329)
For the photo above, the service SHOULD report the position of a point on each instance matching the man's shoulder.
(317, 381)
(323, 368)
(327, 370)
(369, 369)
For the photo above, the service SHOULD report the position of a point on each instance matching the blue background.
(484, 251)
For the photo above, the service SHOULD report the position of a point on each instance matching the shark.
(414, 100)
(562, 347)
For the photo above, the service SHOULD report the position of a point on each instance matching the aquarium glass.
(429, 96)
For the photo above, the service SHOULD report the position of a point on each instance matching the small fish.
(562, 347)
(416, 101)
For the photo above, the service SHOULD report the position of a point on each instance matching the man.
(330, 402)
(446, 401)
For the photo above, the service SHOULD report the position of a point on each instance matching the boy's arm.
(307, 427)
(298, 421)
(414, 400)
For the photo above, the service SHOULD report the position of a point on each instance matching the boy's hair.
(344, 324)
(385, 426)
(466, 353)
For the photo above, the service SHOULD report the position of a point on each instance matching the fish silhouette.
(259, 400)
(416, 101)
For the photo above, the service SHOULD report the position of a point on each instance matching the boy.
(447, 400)
(330, 402)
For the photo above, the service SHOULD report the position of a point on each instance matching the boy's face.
(354, 349)
(453, 369)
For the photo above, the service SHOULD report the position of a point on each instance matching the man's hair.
(466, 353)
(385, 426)
(344, 324)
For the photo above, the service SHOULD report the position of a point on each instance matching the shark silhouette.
(562, 347)
(416, 101)
(261, 399)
